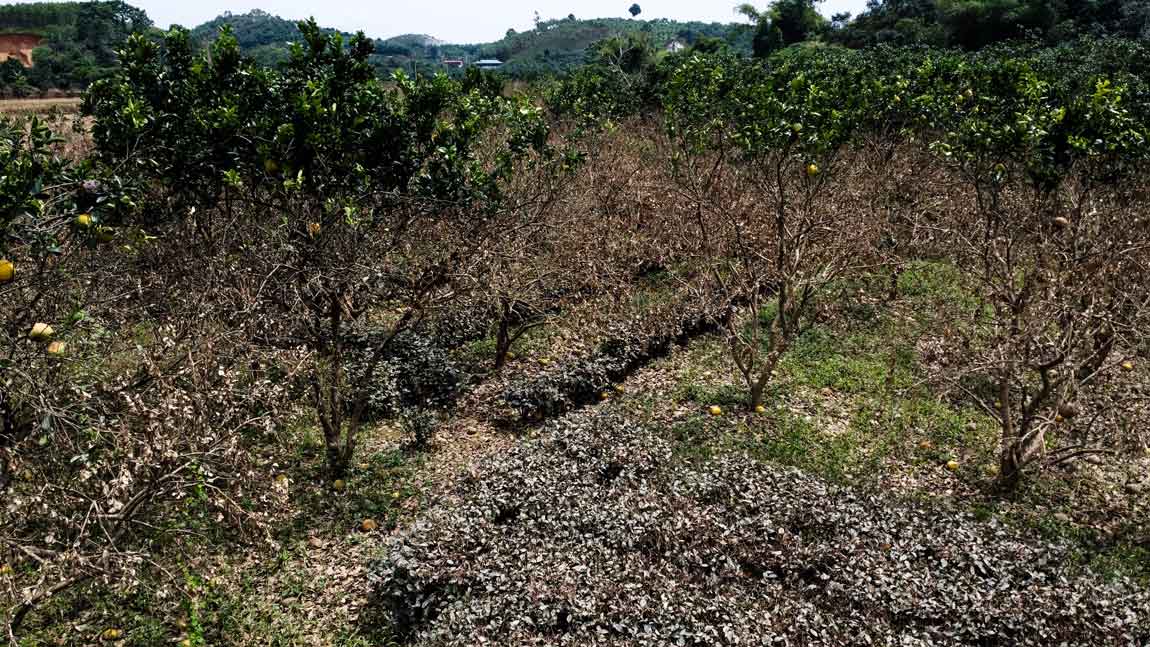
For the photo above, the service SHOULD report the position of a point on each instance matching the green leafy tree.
(1042, 151)
(784, 23)
(376, 191)
(755, 156)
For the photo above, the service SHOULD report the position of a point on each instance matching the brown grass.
(39, 106)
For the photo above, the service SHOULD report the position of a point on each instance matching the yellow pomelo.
(41, 332)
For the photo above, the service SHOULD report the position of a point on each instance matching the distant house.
(675, 46)
(489, 64)
(453, 63)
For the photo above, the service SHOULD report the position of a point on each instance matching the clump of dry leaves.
(596, 535)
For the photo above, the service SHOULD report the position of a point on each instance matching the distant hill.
(67, 45)
(554, 45)
(72, 43)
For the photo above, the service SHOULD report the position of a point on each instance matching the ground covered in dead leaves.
(600, 533)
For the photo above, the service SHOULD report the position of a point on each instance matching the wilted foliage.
(595, 534)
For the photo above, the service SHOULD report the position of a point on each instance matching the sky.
(454, 21)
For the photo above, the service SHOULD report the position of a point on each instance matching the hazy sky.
(456, 21)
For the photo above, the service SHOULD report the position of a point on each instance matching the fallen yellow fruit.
(619, 388)
(339, 486)
(111, 634)
(1061, 222)
(812, 170)
(5, 570)
(604, 395)
(952, 465)
(760, 409)
(1128, 366)
(84, 220)
(314, 229)
(41, 332)
(7, 271)
(716, 411)
(544, 361)
(186, 642)
(57, 348)
(369, 525)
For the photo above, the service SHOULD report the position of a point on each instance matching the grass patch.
(856, 364)
(780, 436)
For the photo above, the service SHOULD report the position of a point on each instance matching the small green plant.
(419, 428)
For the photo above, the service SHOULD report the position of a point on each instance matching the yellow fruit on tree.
(812, 170)
(716, 410)
(952, 465)
(7, 271)
(84, 220)
(57, 348)
(41, 332)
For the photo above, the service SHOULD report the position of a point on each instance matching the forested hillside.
(552, 46)
(79, 42)
(80, 38)
(971, 24)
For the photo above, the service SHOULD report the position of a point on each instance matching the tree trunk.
(1010, 461)
(337, 457)
(502, 344)
(1009, 469)
(757, 394)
